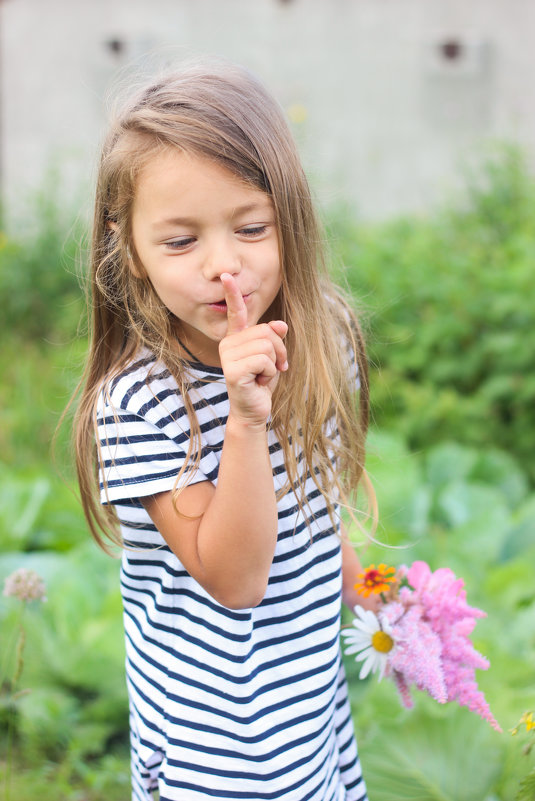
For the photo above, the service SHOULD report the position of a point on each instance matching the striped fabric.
(249, 704)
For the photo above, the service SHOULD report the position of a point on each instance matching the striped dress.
(249, 704)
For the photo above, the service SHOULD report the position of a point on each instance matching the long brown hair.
(225, 115)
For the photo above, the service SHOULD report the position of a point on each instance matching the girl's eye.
(253, 230)
(180, 244)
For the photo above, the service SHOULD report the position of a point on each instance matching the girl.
(220, 391)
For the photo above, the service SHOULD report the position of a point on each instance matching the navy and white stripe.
(249, 704)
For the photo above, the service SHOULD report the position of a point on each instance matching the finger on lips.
(236, 308)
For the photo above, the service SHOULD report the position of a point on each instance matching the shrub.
(40, 295)
(452, 311)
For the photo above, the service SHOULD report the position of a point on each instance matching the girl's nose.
(221, 257)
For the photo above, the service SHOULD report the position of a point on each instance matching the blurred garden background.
(447, 298)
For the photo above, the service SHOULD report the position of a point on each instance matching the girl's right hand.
(251, 358)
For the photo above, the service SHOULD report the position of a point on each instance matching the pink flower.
(430, 623)
(443, 600)
(26, 585)
(417, 656)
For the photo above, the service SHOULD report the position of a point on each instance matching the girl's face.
(192, 220)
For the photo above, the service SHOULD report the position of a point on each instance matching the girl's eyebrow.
(185, 221)
(237, 212)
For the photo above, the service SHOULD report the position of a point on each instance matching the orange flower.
(375, 580)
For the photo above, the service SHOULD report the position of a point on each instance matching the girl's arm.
(225, 536)
(351, 567)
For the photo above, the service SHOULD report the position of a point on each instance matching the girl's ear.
(131, 263)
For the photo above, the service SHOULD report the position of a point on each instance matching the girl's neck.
(187, 351)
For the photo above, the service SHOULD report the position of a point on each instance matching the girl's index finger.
(236, 308)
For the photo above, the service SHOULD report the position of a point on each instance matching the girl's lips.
(221, 305)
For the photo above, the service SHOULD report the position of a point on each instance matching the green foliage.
(527, 788)
(434, 760)
(38, 512)
(74, 700)
(37, 381)
(40, 294)
(107, 779)
(451, 306)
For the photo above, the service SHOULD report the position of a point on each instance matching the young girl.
(220, 393)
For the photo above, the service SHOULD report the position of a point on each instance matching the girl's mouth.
(221, 305)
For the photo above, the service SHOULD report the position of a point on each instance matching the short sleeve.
(354, 369)
(137, 458)
(353, 372)
(349, 337)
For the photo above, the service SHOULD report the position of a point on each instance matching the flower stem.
(9, 648)
(19, 665)
(9, 754)
(11, 688)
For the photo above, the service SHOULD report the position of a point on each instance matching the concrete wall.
(387, 98)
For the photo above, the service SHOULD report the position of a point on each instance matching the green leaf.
(521, 536)
(454, 757)
(500, 470)
(511, 583)
(449, 462)
(460, 502)
(90, 617)
(526, 791)
(474, 547)
(397, 479)
(38, 512)
(21, 501)
(47, 719)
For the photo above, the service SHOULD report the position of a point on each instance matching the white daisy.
(371, 640)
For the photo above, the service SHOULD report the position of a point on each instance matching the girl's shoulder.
(340, 305)
(144, 382)
(141, 379)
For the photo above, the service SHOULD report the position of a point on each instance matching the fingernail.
(284, 366)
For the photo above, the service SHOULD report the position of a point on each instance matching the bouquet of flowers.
(419, 635)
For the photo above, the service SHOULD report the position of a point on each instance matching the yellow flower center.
(382, 642)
